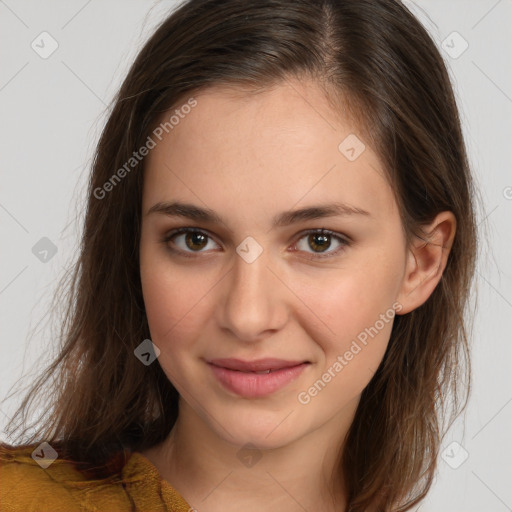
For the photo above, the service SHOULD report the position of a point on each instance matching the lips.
(256, 366)
(258, 378)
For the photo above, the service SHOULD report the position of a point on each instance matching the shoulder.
(32, 479)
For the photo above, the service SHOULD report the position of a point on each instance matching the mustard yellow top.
(25, 486)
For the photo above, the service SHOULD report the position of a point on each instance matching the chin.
(263, 429)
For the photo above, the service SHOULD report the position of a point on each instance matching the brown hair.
(377, 62)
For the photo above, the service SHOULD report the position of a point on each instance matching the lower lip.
(254, 385)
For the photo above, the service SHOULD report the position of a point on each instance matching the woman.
(277, 256)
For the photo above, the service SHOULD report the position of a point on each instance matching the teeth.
(259, 373)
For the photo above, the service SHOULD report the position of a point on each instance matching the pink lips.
(257, 378)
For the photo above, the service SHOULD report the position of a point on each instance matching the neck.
(214, 475)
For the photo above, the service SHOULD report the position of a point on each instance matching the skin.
(248, 158)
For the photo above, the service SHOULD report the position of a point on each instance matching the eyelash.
(344, 241)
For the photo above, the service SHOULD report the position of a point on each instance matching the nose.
(255, 301)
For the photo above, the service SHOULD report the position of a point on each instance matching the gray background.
(52, 110)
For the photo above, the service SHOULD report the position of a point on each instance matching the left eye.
(321, 239)
(318, 239)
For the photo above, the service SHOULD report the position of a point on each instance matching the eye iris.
(324, 240)
(197, 238)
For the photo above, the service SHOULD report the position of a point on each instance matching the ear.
(426, 261)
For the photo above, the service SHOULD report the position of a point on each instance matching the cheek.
(174, 312)
(359, 324)
(167, 301)
(348, 302)
(174, 299)
(352, 323)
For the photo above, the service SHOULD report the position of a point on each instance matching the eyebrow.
(193, 212)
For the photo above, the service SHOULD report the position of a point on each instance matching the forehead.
(285, 143)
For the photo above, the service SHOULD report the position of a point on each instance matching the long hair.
(377, 65)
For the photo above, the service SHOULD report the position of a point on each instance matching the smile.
(253, 379)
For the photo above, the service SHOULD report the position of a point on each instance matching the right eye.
(191, 240)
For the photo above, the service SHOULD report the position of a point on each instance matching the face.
(254, 289)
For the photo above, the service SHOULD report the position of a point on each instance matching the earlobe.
(426, 261)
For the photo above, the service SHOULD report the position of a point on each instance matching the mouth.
(257, 366)
(257, 378)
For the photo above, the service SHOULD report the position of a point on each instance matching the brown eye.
(320, 241)
(188, 240)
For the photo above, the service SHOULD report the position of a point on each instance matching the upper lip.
(256, 365)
